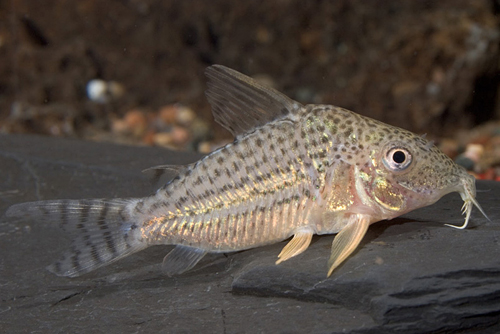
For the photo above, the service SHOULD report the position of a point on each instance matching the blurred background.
(132, 71)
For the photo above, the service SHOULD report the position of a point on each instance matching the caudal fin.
(103, 231)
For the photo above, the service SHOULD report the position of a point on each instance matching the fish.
(292, 171)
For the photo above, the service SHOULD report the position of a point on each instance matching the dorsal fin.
(240, 104)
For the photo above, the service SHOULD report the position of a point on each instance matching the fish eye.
(397, 159)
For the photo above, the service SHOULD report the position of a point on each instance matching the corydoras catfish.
(291, 171)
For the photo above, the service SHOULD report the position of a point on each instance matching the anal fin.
(347, 240)
(297, 245)
(181, 259)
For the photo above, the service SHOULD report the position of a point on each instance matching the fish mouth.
(468, 194)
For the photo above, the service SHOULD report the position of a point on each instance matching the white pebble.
(101, 91)
(185, 115)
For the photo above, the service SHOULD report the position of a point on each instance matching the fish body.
(292, 170)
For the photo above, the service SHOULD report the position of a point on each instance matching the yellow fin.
(347, 240)
(297, 245)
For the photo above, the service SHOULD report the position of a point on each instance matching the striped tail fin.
(103, 230)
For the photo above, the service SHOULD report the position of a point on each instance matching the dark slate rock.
(411, 275)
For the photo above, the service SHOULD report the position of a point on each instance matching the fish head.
(409, 173)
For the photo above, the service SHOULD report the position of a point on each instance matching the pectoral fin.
(297, 245)
(181, 259)
(347, 240)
